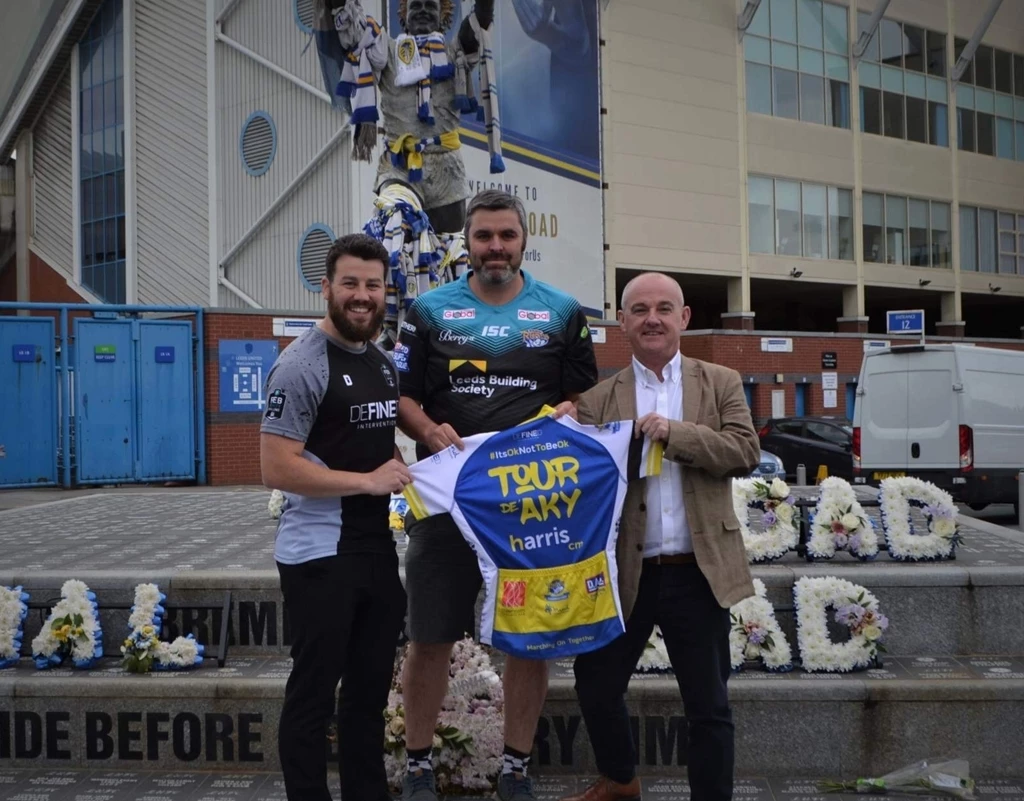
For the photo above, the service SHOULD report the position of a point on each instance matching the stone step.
(796, 724)
(934, 609)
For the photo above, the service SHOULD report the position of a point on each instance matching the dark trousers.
(696, 630)
(345, 614)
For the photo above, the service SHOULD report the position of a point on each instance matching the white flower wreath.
(855, 607)
(840, 523)
(896, 497)
(756, 634)
(71, 631)
(780, 535)
(142, 649)
(654, 659)
(13, 611)
(276, 504)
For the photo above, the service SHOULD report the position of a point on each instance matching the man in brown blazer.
(681, 561)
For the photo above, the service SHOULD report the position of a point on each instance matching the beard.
(350, 329)
(494, 275)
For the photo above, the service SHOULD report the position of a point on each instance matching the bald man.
(681, 561)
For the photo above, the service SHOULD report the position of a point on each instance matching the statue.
(424, 83)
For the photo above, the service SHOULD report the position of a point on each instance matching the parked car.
(949, 414)
(770, 467)
(812, 442)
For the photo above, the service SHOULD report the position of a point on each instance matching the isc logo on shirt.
(459, 314)
(536, 316)
(513, 594)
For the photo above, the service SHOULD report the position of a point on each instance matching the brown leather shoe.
(605, 789)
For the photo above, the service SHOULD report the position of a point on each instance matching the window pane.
(1007, 264)
(785, 94)
(913, 48)
(811, 61)
(968, 238)
(109, 106)
(892, 79)
(85, 64)
(109, 64)
(1020, 140)
(809, 23)
(984, 101)
(86, 120)
(986, 240)
(97, 108)
(837, 109)
(836, 36)
(914, 85)
(983, 67)
(757, 49)
(965, 129)
(895, 229)
(1004, 138)
(941, 236)
(837, 67)
(870, 75)
(936, 54)
(937, 90)
(891, 38)
(958, 49)
(986, 134)
(840, 223)
(762, 215)
(919, 251)
(874, 248)
(86, 200)
(759, 88)
(870, 111)
(759, 25)
(784, 55)
(784, 20)
(871, 54)
(965, 96)
(787, 216)
(812, 99)
(1004, 106)
(1006, 223)
(119, 181)
(814, 221)
(1007, 242)
(892, 115)
(938, 122)
(1018, 75)
(917, 121)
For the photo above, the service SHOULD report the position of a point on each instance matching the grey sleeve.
(295, 387)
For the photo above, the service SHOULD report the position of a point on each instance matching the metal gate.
(113, 398)
(28, 402)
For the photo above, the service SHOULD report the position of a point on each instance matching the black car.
(812, 442)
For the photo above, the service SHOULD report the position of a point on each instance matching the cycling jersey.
(539, 504)
(485, 368)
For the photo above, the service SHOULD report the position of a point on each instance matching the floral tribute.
(897, 497)
(780, 532)
(142, 650)
(469, 737)
(839, 523)
(855, 607)
(13, 611)
(72, 630)
(756, 634)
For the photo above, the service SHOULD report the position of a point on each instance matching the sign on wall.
(244, 364)
(548, 78)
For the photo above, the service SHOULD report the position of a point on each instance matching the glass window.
(808, 19)
(983, 73)
(757, 49)
(1018, 75)
(1003, 71)
(917, 119)
(761, 207)
(965, 129)
(811, 61)
(840, 223)
(837, 108)
(823, 432)
(986, 134)
(936, 54)
(786, 103)
(892, 115)
(1020, 140)
(759, 88)
(784, 20)
(814, 221)
(1004, 138)
(938, 124)
(942, 241)
(958, 50)
(835, 25)
(870, 110)
(895, 229)
(914, 48)
(874, 242)
(784, 55)
(787, 218)
(919, 246)
(871, 54)
(1004, 106)
(986, 240)
(759, 24)
(968, 238)
(812, 99)
(891, 38)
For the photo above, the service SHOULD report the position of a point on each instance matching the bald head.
(654, 282)
(652, 316)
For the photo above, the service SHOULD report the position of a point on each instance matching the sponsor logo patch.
(537, 316)
(513, 594)
(275, 404)
(535, 338)
(459, 314)
(595, 583)
(401, 356)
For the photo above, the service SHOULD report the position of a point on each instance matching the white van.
(949, 414)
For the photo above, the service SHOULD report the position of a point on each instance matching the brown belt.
(671, 559)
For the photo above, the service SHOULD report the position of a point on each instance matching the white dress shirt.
(668, 531)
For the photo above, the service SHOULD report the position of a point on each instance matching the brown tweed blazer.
(714, 441)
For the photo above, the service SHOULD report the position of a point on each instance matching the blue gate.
(28, 402)
(113, 399)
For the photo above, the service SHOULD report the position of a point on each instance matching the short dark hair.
(495, 200)
(362, 246)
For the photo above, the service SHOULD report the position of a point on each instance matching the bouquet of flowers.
(72, 630)
(942, 777)
(276, 504)
(654, 659)
(13, 611)
(469, 736)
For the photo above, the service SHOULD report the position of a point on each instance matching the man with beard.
(328, 443)
(483, 353)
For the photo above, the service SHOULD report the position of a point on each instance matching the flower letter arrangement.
(756, 634)
(855, 607)
(780, 533)
(72, 631)
(13, 611)
(142, 650)
(839, 523)
(896, 497)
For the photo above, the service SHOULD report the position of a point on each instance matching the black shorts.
(442, 581)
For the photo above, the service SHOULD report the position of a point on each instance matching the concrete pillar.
(739, 317)
(950, 324)
(22, 210)
(853, 320)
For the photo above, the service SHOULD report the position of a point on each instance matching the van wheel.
(977, 507)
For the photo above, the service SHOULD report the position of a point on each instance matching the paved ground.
(98, 785)
(1000, 514)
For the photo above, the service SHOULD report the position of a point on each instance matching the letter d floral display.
(855, 607)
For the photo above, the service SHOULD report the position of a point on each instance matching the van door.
(933, 438)
(883, 414)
